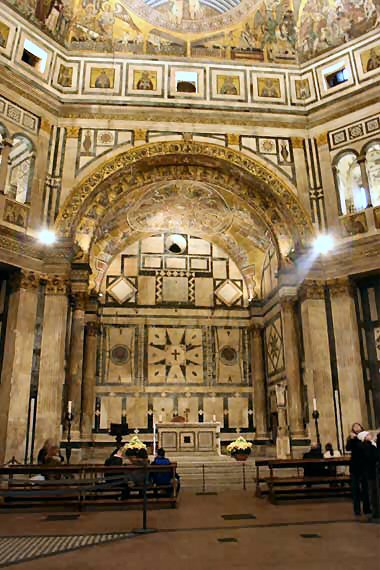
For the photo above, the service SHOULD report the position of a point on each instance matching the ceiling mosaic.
(255, 30)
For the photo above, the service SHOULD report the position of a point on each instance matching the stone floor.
(195, 536)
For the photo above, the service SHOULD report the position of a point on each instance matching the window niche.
(352, 195)
(20, 170)
(372, 162)
(34, 56)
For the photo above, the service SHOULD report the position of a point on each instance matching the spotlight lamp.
(47, 237)
(323, 244)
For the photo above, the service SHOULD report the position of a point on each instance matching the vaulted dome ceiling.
(254, 30)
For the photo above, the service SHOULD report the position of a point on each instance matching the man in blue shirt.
(164, 477)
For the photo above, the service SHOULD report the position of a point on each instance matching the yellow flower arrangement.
(134, 447)
(240, 445)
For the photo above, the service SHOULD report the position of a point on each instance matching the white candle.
(69, 404)
(160, 418)
(214, 418)
(314, 404)
(154, 439)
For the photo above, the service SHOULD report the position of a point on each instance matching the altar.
(189, 437)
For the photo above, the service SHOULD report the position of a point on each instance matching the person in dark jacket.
(359, 479)
(314, 470)
(164, 477)
(116, 459)
(371, 454)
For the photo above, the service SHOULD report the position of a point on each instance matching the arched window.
(373, 171)
(352, 194)
(20, 171)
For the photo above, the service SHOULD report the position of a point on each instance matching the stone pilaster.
(348, 356)
(292, 365)
(317, 359)
(89, 377)
(328, 182)
(258, 381)
(52, 362)
(301, 172)
(17, 365)
(75, 367)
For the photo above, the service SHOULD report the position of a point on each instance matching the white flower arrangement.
(240, 445)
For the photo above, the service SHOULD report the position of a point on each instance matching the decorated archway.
(232, 200)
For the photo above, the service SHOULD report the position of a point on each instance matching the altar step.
(213, 474)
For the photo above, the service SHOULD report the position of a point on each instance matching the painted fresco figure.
(102, 81)
(145, 83)
(228, 87)
(43, 9)
(373, 60)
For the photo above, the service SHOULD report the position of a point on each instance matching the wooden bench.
(85, 485)
(325, 484)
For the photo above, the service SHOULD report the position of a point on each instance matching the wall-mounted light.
(47, 237)
(323, 244)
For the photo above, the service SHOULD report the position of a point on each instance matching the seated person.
(116, 459)
(314, 470)
(50, 455)
(136, 477)
(164, 477)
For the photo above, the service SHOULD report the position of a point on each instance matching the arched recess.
(96, 213)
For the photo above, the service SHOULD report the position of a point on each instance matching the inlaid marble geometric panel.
(122, 290)
(229, 355)
(175, 355)
(119, 354)
(228, 293)
(274, 347)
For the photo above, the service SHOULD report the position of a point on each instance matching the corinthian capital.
(56, 285)
(24, 279)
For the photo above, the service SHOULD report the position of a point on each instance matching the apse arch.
(248, 183)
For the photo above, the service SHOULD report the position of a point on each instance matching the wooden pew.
(323, 485)
(84, 485)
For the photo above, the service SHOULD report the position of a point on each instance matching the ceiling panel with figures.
(280, 31)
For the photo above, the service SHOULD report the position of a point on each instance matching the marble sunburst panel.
(138, 356)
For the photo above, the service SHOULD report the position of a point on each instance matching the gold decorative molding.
(140, 135)
(144, 163)
(322, 139)
(297, 142)
(56, 285)
(342, 286)
(312, 289)
(233, 139)
(72, 132)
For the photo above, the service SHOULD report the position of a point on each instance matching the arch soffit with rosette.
(266, 193)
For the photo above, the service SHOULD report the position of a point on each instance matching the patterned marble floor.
(14, 550)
